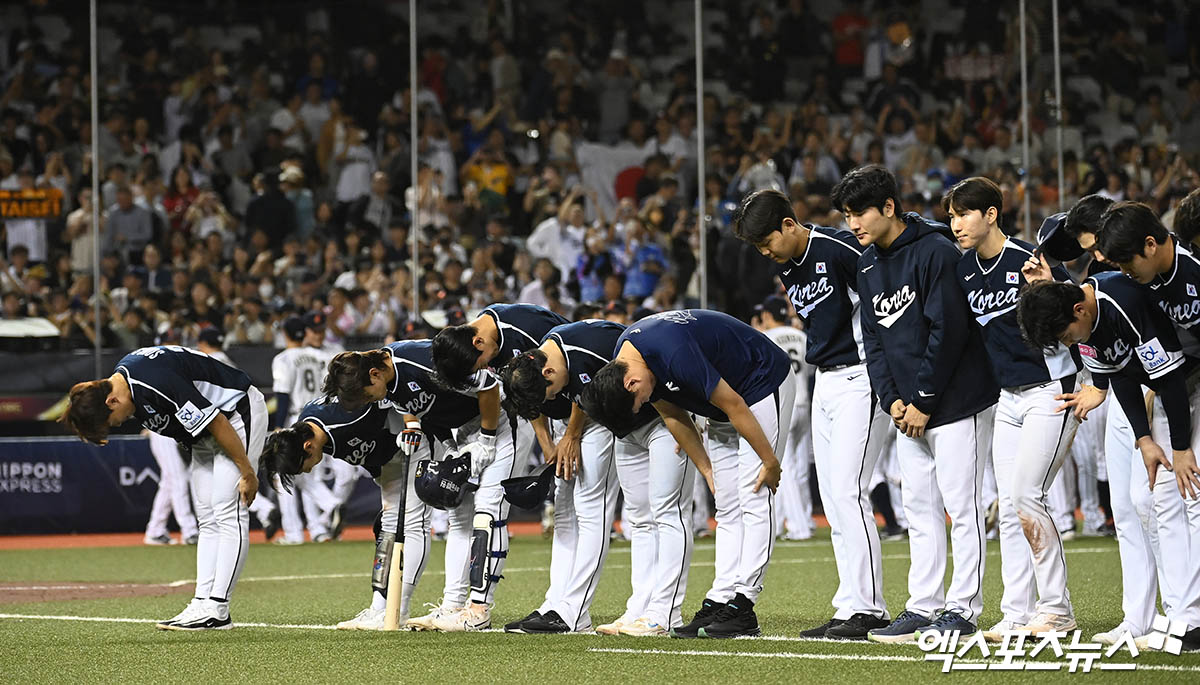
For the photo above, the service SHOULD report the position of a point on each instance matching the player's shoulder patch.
(189, 416)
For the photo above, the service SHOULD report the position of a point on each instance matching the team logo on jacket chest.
(419, 402)
(889, 308)
(1184, 313)
(805, 297)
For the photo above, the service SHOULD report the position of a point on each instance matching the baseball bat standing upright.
(395, 585)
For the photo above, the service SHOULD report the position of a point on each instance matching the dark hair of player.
(606, 400)
(761, 214)
(1124, 229)
(524, 384)
(455, 354)
(865, 187)
(1085, 216)
(1045, 310)
(284, 454)
(1187, 217)
(350, 373)
(976, 192)
(87, 410)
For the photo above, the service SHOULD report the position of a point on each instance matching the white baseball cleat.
(1115, 635)
(1045, 623)
(367, 619)
(426, 622)
(614, 628)
(996, 632)
(471, 618)
(644, 627)
(211, 616)
(192, 611)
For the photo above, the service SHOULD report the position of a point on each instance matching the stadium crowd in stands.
(262, 166)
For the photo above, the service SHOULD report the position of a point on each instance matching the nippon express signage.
(38, 203)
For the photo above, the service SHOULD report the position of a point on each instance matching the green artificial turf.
(799, 585)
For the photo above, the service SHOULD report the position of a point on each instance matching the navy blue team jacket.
(922, 346)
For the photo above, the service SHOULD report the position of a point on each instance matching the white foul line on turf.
(845, 657)
(110, 619)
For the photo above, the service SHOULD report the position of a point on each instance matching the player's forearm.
(575, 424)
(489, 408)
(231, 445)
(748, 427)
(541, 430)
(684, 430)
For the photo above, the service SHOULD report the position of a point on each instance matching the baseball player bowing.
(710, 363)
(1133, 237)
(215, 410)
(818, 270)
(364, 437)
(477, 540)
(655, 477)
(1031, 438)
(929, 367)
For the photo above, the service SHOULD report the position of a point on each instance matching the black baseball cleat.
(708, 609)
(516, 626)
(735, 619)
(274, 523)
(821, 630)
(856, 627)
(1190, 642)
(548, 623)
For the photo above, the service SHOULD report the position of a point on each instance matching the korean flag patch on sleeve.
(1012, 277)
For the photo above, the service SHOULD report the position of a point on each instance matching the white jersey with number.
(300, 372)
(794, 342)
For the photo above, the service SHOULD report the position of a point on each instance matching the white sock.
(378, 601)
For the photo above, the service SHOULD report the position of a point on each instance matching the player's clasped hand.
(1081, 402)
(483, 453)
(248, 487)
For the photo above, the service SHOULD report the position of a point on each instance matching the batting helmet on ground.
(444, 484)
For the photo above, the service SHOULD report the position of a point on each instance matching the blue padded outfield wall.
(65, 485)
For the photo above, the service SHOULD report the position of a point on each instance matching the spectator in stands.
(129, 227)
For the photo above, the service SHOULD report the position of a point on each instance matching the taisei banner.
(37, 203)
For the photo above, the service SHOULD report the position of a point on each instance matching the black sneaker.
(708, 609)
(820, 630)
(893, 533)
(548, 623)
(856, 627)
(1190, 641)
(515, 626)
(274, 523)
(735, 619)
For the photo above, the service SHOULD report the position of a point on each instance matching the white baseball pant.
(223, 520)
(943, 474)
(793, 515)
(1030, 442)
(1133, 517)
(657, 482)
(1178, 525)
(849, 430)
(584, 508)
(745, 519)
(172, 492)
(311, 494)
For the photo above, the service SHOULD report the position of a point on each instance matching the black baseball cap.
(315, 320)
(774, 305)
(212, 335)
(1055, 242)
(293, 328)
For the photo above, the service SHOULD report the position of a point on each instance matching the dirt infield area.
(24, 593)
